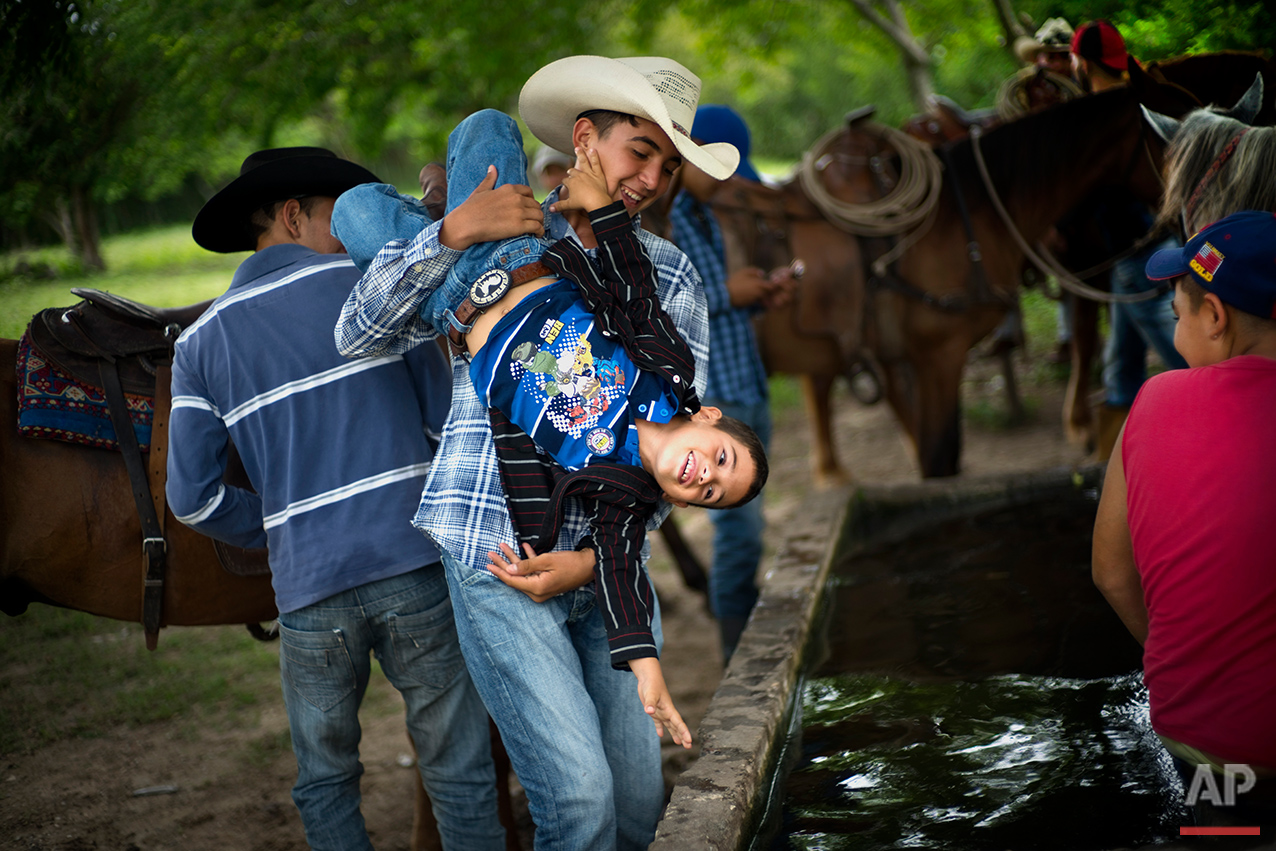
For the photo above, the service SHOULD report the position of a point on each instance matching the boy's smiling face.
(697, 463)
(638, 161)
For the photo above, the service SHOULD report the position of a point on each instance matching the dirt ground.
(218, 793)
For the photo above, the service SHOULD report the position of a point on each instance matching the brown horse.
(1174, 88)
(914, 322)
(70, 536)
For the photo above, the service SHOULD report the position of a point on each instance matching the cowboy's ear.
(1250, 103)
(288, 213)
(1164, 126)
(584, 132)
(678, 503)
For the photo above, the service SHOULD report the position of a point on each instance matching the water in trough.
(976, 692)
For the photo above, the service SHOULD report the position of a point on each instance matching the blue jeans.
(369, 216)
(324, 661)
(737, 541)
(574, 728)
(1135, 327)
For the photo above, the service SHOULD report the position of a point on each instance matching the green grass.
(66, 674)
(163, 267)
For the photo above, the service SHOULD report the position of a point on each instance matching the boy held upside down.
(585, 367)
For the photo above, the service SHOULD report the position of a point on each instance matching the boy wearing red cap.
(1099, 59)
(1182, 543)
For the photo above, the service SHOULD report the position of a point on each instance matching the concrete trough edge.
(714, 802)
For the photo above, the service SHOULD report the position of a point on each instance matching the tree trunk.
(59, 218)
(917, 61)
(1010, 25)
(84, 220)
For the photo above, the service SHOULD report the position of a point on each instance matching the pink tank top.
(1200, 468)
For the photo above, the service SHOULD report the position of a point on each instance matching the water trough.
(930, 666)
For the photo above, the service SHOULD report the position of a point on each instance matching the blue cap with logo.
(1234, 258)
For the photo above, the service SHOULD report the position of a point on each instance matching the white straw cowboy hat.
(651, 87)
(1055, 36)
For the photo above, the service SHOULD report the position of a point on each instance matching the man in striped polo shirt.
(337, 452)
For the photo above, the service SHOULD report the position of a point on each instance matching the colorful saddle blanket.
(54, 405)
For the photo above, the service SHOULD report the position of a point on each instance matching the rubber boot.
(1108, 425)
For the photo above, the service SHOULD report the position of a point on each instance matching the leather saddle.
(122, 346)
(104, 326)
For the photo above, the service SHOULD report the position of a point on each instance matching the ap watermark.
(1237, 779)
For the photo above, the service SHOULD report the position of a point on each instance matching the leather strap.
(154, 547)
(467, 311)
(158, 460)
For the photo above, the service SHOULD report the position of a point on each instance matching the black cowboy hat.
(266, 176)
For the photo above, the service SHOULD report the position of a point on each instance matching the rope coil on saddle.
(1013, 98)
(908, 208)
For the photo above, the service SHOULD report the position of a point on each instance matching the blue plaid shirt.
(463, 506)
(736, 373)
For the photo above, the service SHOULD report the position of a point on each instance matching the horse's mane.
(1246, 182)
(1025, 156)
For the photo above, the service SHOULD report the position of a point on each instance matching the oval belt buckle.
(489, 288)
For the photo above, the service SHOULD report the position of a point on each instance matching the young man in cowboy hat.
(1048, 48)
(336, 454)
(1182, 540)
(578, 737)
(584, 361)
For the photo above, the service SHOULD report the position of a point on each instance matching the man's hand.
(783, 281)
(747, 286)
(657, 702)
(489, 215)
(542, 577)
(585, 186)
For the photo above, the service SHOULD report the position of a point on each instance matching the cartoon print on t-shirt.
(575, 387)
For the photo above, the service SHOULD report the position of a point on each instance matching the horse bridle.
(1067, 280)
(1189, 208)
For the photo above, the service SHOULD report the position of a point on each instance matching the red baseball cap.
(1099, 41)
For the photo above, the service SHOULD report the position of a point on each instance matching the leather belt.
(493, 285)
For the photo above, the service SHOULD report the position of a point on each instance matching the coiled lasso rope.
(1012, 97)
(908, 209)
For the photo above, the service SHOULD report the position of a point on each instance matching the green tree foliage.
(64, 103)
(795, 69)
(1160, 29)
(114, 98)
(102, 100)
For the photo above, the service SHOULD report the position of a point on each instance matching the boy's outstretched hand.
(585, 186)
(542, 577)
(657, 701)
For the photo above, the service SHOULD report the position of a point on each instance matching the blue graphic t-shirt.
(573, 389)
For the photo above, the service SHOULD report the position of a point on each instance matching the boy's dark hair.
(1196, 297)
(605, 119)
(741, 432)
(263, 218)
(1194, 291)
